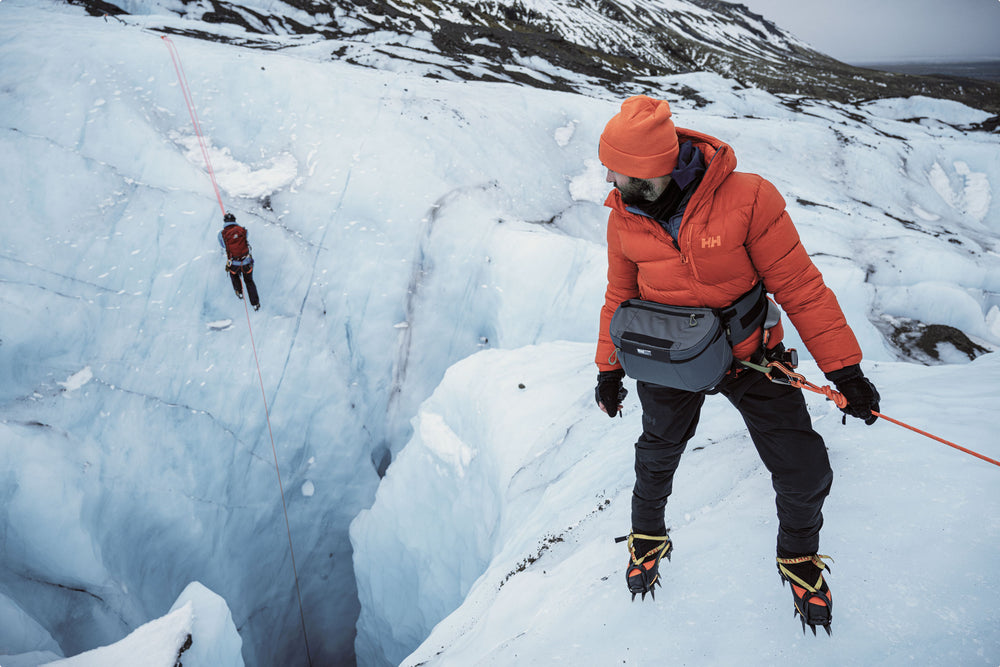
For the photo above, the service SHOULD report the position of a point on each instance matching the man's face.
(634, 191)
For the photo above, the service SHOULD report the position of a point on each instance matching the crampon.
(645, 551)
(812, 597)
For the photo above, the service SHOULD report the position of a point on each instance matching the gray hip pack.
(683, 347)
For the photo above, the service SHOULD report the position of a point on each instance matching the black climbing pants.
(247, 272)
(781, 430)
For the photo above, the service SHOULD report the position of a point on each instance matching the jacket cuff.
(846, 373)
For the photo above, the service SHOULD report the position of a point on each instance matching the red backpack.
(235, 238)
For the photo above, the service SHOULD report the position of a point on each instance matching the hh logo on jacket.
(711, 241)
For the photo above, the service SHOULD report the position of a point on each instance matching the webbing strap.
(816, 560)
(663, 540)
(746, 314)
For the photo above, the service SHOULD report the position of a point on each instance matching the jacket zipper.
(688, 211)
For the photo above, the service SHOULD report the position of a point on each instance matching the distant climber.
(233, 238)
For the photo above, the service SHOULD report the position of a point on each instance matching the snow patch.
(964, 190)
(77, 380)
(590, 185)
(918, 106)
(237, 178)
(925, 215)
(441, 441)
(155, 644)
(977, 195)
(993, 323)
(564, 134)
(198, 631)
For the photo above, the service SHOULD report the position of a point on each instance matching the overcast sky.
(856, 31)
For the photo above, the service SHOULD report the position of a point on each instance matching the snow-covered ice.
(431, 266)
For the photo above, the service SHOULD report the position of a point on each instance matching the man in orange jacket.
(686, 229)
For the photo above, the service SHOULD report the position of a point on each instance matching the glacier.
(431, 266)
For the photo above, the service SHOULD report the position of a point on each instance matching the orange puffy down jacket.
(734, 232)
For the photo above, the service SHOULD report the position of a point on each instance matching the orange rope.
(182, 79)
(798, 380)
(934, 437)
(186, 91)
(281, 488)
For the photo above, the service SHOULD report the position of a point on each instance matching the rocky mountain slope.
(618, 45)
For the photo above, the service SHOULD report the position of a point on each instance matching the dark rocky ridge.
(613, 46)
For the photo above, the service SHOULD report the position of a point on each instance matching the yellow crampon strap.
(816, 560)
(662, 539)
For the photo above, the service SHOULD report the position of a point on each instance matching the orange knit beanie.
(640, 141)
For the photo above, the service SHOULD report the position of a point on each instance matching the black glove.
(861, 395)
(609, 391)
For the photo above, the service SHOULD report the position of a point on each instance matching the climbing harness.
(782, 372)
(182, 79)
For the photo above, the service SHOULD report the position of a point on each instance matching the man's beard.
(637, 192)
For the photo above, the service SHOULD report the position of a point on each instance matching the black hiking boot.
(645, 551)
(810, 592)
(239, 295)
